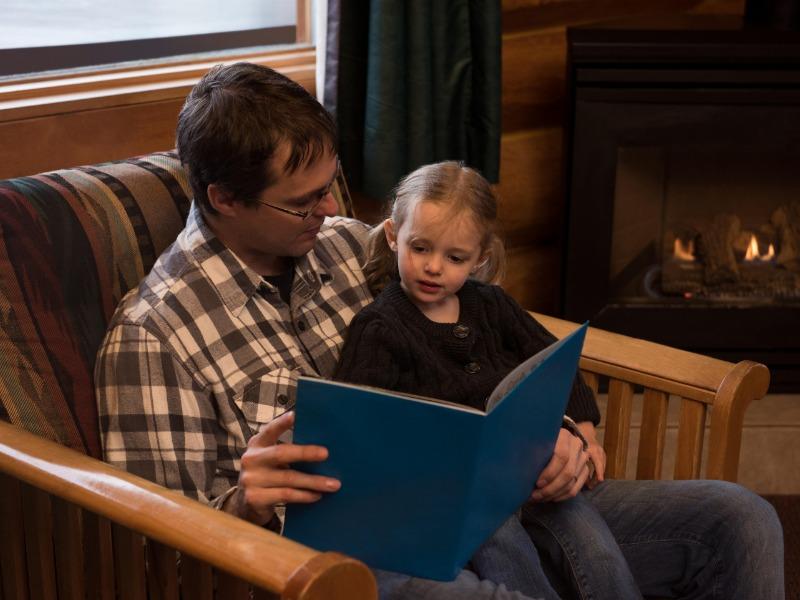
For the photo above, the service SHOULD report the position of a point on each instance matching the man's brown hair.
(234, 120)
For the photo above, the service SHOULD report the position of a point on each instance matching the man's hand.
(566, 473)
(596, 454)
(266, 478)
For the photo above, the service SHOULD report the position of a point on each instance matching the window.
(45, 35)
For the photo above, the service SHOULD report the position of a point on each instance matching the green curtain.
(413, 82)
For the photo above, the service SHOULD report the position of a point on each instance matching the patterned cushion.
(72, 242)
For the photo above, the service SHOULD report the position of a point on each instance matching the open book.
(424, 482)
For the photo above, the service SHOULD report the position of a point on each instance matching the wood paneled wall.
(83, 119)
(531, 187)
(533, 112)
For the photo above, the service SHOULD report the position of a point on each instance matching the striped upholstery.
(72, 242)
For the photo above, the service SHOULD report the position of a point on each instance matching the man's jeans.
(684, 539)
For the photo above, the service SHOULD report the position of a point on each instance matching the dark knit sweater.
(390, 344)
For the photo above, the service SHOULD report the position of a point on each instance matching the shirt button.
(460, 331)
(472, 368)
(301, 325)
(283, 399)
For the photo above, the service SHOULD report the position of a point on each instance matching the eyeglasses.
(303, 214)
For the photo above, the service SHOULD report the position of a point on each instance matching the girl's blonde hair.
(448, 183)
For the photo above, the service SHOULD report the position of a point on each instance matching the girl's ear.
(391, 235)
(480, 264)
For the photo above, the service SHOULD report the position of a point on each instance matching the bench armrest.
(223, 541)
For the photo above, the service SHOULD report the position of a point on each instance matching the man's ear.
(391, 235)
(222, 200)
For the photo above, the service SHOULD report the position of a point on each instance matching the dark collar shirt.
(204, 352)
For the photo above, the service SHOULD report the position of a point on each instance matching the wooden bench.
(72, 243)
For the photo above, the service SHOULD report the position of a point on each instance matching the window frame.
(50, 93)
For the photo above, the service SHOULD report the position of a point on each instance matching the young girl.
(436, 330)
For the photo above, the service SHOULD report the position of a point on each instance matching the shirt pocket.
(267, 397)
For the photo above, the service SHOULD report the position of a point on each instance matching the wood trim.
(162, 572)
(13, 568)
(689, 451)
(521, 15)
(112, 115)
(68, 545)
(99, 557)
(652, 435)
(230, 587)
(613, 370)
(38, 522)
(747, 381)
(105, 89)
(129, 563)
(167, 516)
(646, 363)
(197, 580)
(303, 28)
(314, 580)
(618, 427)
(592, 380)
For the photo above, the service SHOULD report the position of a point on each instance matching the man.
(199, 366)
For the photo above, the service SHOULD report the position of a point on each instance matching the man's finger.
(289, 478)
(269, 434)
(285, 454)
(257, 460)
(273, 496)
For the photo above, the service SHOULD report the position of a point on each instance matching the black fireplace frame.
(629, 81)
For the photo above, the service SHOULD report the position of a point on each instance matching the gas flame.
(683, 251)
(753, 253)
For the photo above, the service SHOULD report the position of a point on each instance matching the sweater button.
(283, 399)
(301, 325)
(460, 331)
(472, 368)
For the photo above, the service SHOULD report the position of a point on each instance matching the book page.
(518, 373)
(415, 397)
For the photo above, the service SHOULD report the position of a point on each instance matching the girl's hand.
(566, 473)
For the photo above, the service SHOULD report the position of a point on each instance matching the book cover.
(425, 482)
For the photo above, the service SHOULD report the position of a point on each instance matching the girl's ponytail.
(381, 264)
(493, 268)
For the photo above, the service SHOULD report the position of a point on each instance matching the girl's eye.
(456, 259)
(418, 248)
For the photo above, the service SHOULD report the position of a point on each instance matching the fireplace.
(683, 213)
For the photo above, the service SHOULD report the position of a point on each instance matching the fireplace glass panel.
(683, 211)
(706, 223)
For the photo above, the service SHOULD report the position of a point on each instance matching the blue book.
(426, 482)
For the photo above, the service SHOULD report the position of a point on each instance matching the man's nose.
(329, 207)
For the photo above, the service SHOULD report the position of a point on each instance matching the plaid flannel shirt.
(205, 352)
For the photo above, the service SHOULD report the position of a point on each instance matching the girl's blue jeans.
(624, 539)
